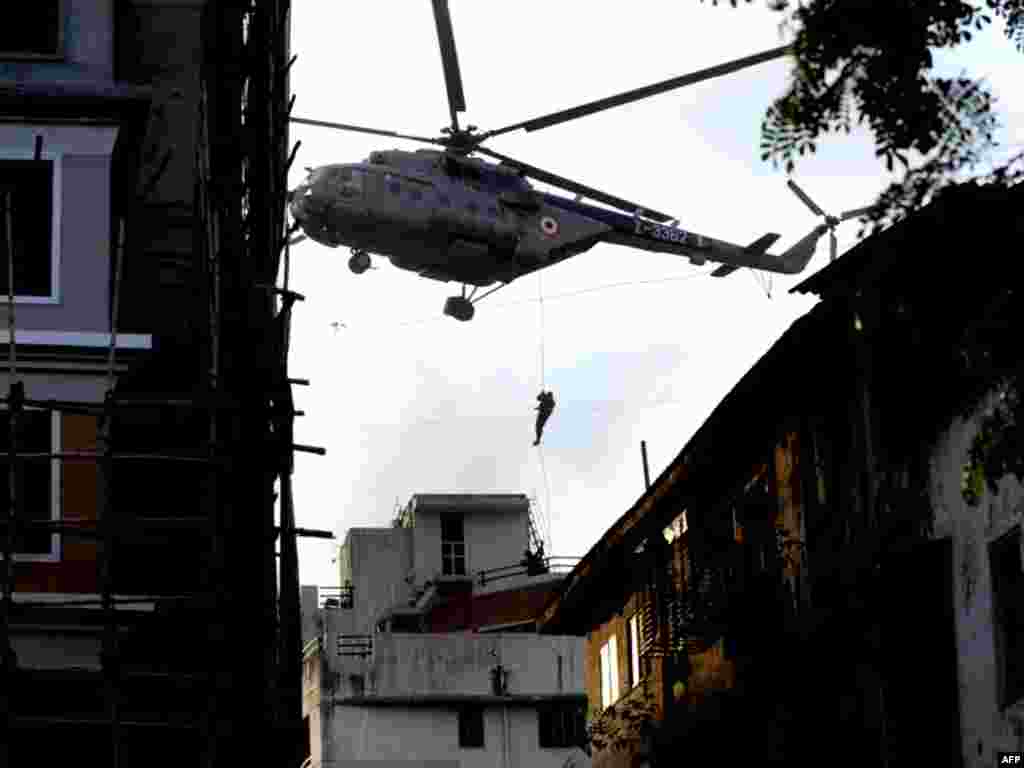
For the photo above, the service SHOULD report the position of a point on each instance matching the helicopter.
(450, 216)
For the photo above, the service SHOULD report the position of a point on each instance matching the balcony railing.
(335, 597)
(355, 645)
(538, 567)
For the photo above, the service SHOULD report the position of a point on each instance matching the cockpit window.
(346, 182)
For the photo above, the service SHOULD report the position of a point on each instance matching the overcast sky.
(636, 345)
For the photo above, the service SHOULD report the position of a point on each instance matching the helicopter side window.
(492, 211)
(445, 201)
(472, 207)
(393, 186)
(416, 193)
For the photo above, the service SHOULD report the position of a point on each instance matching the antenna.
(830, 221)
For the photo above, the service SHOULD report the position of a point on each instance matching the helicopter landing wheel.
(360, 262)
(459, 307)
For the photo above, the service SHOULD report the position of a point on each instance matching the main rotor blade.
(640, 93)
(573, 186)
(806, 200)
(854, 213)
(360, 129)
(449, 60)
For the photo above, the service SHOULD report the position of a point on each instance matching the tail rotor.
(831, 222)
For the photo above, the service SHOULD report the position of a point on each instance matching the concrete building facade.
(427, 654)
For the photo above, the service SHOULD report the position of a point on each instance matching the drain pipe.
(507, 746)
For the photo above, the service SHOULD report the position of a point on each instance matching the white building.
(427, 656)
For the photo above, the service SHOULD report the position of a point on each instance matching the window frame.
(560, 719)
(56, 157)
(609, 663)
(465, 732)
(449, 547)
(60, 54)
(1009, 691)
(635, 670)
(56, 480)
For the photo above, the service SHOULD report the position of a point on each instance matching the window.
(445, 201)
(633, 643)
(609, 673)
(393, 186)
(39, 492)
(36, 32)
(678, 527)
(471, 727)
(416, 193)
(472, 207)
(453, 545)
(560, 725)
(1007, 594)
(33, 227)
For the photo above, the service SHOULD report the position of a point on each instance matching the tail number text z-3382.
(669, 234)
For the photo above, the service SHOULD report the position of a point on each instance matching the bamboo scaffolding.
(241, 250)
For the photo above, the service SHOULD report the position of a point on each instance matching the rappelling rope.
(543, 387)
(547, 499)
(540, 302)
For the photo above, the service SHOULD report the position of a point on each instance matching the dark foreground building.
(805, 582)
(147, 416)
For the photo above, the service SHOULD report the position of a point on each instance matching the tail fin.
(757, 247)
(794, 260)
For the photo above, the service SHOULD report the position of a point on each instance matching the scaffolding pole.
(252, 669)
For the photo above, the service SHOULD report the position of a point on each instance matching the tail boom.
(700, 249)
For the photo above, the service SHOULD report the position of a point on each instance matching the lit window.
(609, 673)
(633, 640)
(678, 527)
(31, 184)
(39, 500)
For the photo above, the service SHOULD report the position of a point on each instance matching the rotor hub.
(459, 140)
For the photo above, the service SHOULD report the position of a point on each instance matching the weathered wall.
(366, 736)
(427, 664)
(380, 559)
(493, 539)
(469, 611)
(312, 703)
(984, 728)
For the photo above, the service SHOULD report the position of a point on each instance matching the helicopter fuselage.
(453, 218)
(445, 218)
